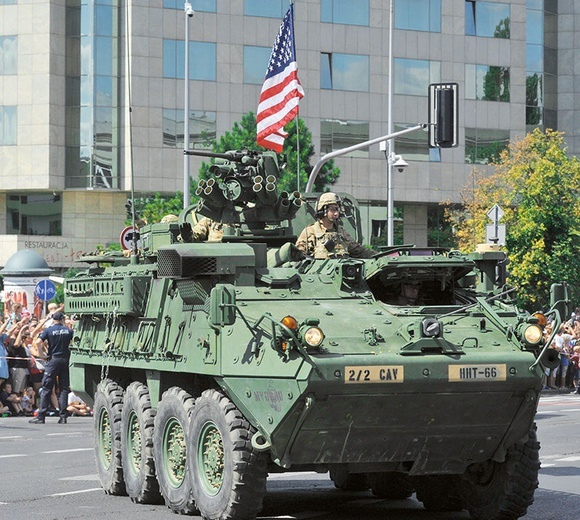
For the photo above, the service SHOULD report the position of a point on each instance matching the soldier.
(208, 230)
(326, 238)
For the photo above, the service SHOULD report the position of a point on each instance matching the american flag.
(281, 91)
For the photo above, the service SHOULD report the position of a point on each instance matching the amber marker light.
(542, 321)
(290, 322)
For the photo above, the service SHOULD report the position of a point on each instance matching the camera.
(189, 10)
(400, 163)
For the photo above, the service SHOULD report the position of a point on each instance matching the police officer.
(326, 238)
(54, 342)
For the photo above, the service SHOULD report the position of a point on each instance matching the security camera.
(400, 164)
(189, 10)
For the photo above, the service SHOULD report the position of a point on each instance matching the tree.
(538, 187)
(153, 209)
(243, 135)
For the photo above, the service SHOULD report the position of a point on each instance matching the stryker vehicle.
(215, 364)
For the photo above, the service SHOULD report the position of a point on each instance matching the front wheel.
(170, 450)
(503, 491)
(107, 428)
(228, 475)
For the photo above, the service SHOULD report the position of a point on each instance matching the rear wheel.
(107, 438)
(170, 450)
(346, 481)
(228, 475)
(438, 492)
(391, 484)
(503, 491)
(137, 425)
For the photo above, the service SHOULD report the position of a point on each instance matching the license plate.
(476, 373)
(374, 374)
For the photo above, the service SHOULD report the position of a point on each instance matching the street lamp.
(390, 210)
(189, 12)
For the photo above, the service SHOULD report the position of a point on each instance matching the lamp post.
(391, 142)
(189, 12)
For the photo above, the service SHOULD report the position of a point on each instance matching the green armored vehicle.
(215, 364)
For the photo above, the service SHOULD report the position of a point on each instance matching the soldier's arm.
(355, 249)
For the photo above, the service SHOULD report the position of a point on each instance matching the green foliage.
(243, 135)
(538, 187)
(153, 209)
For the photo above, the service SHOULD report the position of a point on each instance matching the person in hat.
(326, 238)
(54, 343)
(410, 292)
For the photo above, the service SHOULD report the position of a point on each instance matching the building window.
(208, 6)
(265, 8)
(255, 63)
(8, 125)
(418, 15)
(348, 12)
(336, 134)
(485, 146)
(202, 129)
(414, 146)
(202, 60)
(8, 2)
(439, 229)
(489, 19)
(487, 83)
(412, 77)
(344, 72)
(34, 214)
(8, 55)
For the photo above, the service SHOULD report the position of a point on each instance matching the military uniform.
(208, 229)
(317, 241)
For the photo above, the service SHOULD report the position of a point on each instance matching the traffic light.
(129, 208)
(443, 115)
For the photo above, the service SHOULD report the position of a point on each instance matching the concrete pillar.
(415, 225)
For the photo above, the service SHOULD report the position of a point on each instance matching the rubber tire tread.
(391, 485)
(175, 403)
(438, 492)
(245, 468)
(109, 395)
(142, 488)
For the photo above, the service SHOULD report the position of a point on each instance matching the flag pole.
(297, 141)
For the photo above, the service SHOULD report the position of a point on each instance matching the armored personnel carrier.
(212, 365)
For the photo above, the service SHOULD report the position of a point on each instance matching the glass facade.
(8, 55)
(487, 83)
(202, 129)
(488, 19)
(414, 146)
(198, 5)
(344, 72)
(484, 146)
(265, 8)
(8, 125)
(202, 60)
(92, 111)
(336, 134)
(418, 15)
(348, 12)
(34, 214)
(412, 77)
(255, 63)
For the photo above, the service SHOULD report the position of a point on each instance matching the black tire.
(227, 474)
(346, 481)
(503, 491)
(438, 492)
(137, 426)
(107, 436)
(170, 450)
(391, 484)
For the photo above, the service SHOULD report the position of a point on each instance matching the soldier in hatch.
(208, 230)
(326, 238)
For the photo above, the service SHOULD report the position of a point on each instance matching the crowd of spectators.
(22, 367)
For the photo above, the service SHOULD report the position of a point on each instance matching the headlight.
(533, 335)
(312, 336)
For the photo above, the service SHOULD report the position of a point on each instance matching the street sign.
(495, 234)
(45, 290)
(128, 235)
(495, 213)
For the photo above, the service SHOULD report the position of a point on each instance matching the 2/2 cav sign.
(45, 290)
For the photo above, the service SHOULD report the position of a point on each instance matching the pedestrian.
(54, 342)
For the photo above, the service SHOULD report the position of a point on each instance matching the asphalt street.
(48, 472)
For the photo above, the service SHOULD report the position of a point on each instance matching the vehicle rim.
(105, 438)
(134, 444)
(175, 452)
(211, 458)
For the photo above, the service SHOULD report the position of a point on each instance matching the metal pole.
(186, 197)
(390, 210)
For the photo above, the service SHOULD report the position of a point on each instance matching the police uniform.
(208, 229)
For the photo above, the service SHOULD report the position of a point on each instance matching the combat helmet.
(325, 200)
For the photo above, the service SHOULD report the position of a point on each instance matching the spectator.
(575, 364)
(19, 362)
(10, 399)
(76, 405)
(4, 372)
(28, 401)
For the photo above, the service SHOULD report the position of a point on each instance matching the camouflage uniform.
(208, 229)
(313, 238)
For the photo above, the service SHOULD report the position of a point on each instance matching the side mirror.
(560, 299)
(222, 305)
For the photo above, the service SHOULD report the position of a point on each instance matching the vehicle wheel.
(503, 491)
(107, 438)
(346, 481)
(228, 475)
(137, 425)
(438, 492)
(391, 484)
(170, 450)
